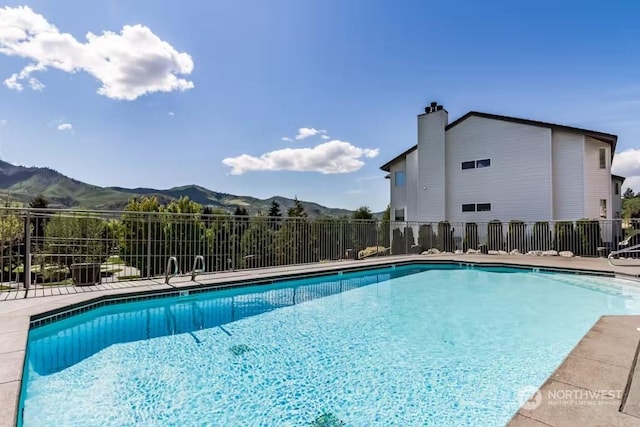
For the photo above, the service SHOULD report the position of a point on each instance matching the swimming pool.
(412, 345)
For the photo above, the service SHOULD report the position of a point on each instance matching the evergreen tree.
(297, 210)
(274, 210)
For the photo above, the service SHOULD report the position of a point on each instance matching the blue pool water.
(414, 345)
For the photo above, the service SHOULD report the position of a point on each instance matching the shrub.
(410, 241)
(517, 236)
(495, 238)
(540, 237)
(588, 237)
(398, 245)
(426, 237)
(470, 236)
(445, 237)
(565, 237)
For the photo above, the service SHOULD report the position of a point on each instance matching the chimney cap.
(434, 105)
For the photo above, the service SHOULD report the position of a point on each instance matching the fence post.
(148, 246)
(27, 250)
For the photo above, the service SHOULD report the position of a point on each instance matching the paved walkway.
(16, 313)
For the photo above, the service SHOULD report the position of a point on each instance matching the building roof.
(600, 136)
(618, 177)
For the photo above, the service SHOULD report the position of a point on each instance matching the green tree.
(71, 239)
(184, 232)
(384, 232)
(39, 202)
(218, 233)
(628, 193)
(38, 221)
(143, 236)
(11, 238)
(363, 212)
(297, 210)
(631, 207)
(274, 209)
(257, 244)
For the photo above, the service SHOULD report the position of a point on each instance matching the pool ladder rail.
(630, 249)
(195, 270)
(173, 262)
(168, 274)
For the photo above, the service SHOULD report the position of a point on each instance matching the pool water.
(409, 346)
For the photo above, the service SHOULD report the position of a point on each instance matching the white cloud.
(129, 64)
(353, 192)
(627, 163)
(307, 132)
(171, 113)
(287, 139)
(328, 158)
(325, 137)
(3, 122)
(65, 126)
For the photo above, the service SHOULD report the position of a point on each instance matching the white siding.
(431, 172)
(568, 178)
(616, 199)
(518, 182)
(597, 181)
(412, 185)
(398, 194)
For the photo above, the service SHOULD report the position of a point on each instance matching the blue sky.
(193, 83)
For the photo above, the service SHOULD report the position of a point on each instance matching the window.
(469, 207)
(484, 207)
(603, 208)
(469, 165)
(400, 179)
(472, 164)
(617, 188)
(398, 215)
(484, 163)
(603, 158)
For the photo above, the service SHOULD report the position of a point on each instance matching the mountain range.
(20, 184)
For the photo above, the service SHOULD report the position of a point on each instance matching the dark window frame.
(470, 207)
(404, 178)
(617, 188)
(483, 165)
(483, 207)
(602, 158)
(471, 164)
(395, 214)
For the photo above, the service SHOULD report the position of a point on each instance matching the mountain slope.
(21, 184)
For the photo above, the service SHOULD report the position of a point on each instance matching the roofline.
(387, 166)
(601, 136)
(618, 177)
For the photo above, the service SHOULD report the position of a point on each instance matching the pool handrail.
(195, 270)
(634, 248)
(167, 274)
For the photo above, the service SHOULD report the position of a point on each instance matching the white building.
(482, 167)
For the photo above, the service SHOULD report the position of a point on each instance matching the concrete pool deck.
(605, 356)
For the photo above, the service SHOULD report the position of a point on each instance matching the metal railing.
(64, 249)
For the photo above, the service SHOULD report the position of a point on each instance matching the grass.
(46, 269)
(115, 260)
(128, 278)
(65, 282)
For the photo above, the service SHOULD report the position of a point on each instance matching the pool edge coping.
(88, 300)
